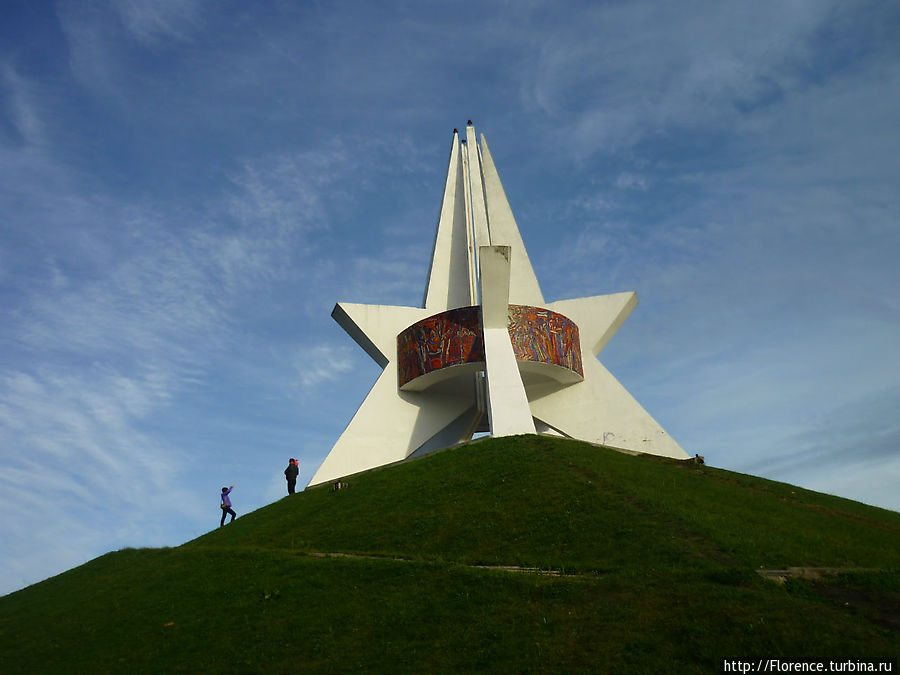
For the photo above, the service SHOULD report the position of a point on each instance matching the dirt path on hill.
(514, 569)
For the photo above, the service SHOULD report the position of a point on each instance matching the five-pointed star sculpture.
(480, 269)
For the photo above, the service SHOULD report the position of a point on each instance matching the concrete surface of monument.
(486, 352)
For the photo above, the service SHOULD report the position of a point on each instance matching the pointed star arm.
(375, 327)
(598, 317)
(600, 410)
(388, 427)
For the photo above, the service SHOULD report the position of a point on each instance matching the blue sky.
(187, 187)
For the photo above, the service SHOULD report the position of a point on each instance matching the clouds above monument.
(701, 69)
(186, 188)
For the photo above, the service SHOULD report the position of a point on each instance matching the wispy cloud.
(164, 19)
(631, 181)
(323, 363)
(21, 98)
(118, 320)
(623, 73)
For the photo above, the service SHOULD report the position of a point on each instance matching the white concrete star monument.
(486, 352)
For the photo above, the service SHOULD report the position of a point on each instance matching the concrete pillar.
(507, 404)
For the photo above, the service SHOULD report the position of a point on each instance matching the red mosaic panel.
(447, 339)
(546, 337)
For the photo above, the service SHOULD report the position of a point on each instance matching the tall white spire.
(449, 284)
(479, 208)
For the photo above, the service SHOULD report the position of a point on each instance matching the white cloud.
(151, 22)
(630, 181)
(90, 33)
(625, 73)
(23, 104)
(322, 364)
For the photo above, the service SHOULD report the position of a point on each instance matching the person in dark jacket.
(226, 505)
(291, 474)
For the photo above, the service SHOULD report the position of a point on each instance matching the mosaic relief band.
(544, 337)
(455, 337)
(447, 339)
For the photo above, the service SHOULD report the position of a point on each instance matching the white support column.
(507, 404)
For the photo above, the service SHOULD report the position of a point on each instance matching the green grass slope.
(654, 570)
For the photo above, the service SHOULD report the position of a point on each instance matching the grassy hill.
(649, 565)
